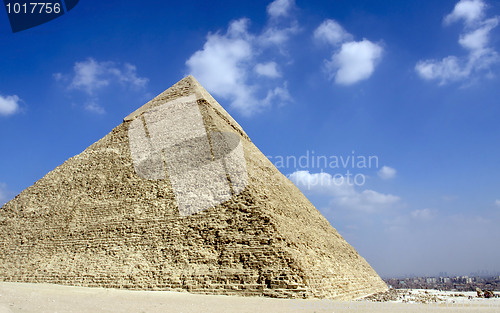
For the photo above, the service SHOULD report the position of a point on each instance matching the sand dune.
(24, 297)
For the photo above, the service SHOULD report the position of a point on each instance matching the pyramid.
(177, 197)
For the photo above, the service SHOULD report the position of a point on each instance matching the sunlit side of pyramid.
(177, 197)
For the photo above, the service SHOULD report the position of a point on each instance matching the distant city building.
(457, 283)
(431, 280)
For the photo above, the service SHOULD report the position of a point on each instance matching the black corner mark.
(25, 14)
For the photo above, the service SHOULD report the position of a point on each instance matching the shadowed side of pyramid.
(177, 197)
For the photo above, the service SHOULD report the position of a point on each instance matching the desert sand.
(26, 297)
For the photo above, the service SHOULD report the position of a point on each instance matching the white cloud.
(468, 10)
(279, 8)
(331, 32)
(342, 191)
(279, 94)
(448, 69)
(387, 172)
(267, 69)
(94, 107)
(474, 38)
(222, 66)
(128, 75)
(497, 203)
(355, 61)
(277, 36)
(424, 214)
(9, 105)
(317, 182)
(352, 61)
(58, 76)
(478, 39)
(91, 76)
(278, 31)
(368, 201)
(230, 64)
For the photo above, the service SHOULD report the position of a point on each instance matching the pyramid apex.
(191, 79)
(188, 86)
(184, 87)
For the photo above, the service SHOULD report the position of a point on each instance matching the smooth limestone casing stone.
(93, 221)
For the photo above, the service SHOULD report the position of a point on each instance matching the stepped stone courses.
(94, 222)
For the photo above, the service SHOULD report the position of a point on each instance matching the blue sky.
(412, 84)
